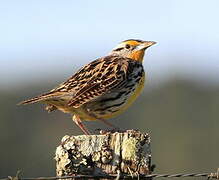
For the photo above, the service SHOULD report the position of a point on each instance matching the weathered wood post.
(108, 153)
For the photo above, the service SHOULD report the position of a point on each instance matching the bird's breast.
(117, 101)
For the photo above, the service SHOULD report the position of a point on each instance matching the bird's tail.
(39, 98)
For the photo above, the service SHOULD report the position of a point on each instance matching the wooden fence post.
(108, 153)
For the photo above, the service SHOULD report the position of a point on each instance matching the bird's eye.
(127, 46)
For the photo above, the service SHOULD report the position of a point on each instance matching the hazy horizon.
(40, 39)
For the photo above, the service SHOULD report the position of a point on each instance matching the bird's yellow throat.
(137, 55)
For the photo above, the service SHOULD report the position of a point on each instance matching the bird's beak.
(144, 45)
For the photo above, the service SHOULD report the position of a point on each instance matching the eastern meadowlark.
(103, 88)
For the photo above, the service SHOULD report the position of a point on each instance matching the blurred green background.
(45, 42)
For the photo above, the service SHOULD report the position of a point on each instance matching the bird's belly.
(115, 103)
(80, 112)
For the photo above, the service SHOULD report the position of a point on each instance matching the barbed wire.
(120, 176)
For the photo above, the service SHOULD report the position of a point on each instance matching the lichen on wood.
(126, 152)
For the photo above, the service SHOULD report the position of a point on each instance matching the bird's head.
(132, 48)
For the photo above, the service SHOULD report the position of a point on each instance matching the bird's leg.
(115, 128)
(77, 121)
(107, 123)
(101, 119)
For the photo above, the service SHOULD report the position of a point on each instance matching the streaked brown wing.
(92, 81)
(74, 84)
(109, 73)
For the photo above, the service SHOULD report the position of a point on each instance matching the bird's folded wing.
(103, 80)
(95, 89)
(101, 77)
(95, 79)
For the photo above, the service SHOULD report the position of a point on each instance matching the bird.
(102, 89)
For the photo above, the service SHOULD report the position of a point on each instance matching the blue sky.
(40, 39)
